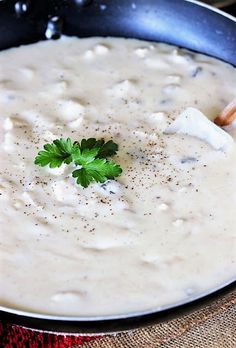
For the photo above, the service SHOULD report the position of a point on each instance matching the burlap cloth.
(211, 327)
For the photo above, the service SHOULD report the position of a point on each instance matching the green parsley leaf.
(107, 169)
(107, 149)
(85, 156)
(83, 178)
(90, 155)
(55, 154)
(98, 170)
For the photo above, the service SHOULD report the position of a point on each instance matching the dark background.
(231, 9)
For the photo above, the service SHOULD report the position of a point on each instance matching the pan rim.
(134, 314)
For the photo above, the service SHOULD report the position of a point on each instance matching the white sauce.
(165, 230)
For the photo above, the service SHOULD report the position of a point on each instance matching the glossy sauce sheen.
(165, 230)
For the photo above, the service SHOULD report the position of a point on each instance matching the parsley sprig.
(89, 156)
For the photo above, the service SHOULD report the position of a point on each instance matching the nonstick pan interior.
(183, 23)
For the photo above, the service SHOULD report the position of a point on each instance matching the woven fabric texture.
(211, 327)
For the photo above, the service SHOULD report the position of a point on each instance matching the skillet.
(196, 26)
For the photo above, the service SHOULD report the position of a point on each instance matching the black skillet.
(184, 23)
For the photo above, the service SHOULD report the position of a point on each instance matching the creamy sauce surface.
(165, 230)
